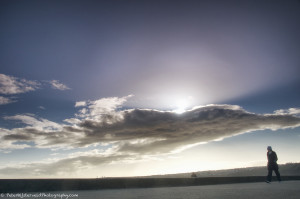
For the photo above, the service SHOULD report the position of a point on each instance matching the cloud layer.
(144, 130)
(135, 133)
(61, 167)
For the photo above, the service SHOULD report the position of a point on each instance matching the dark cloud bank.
(138, 132)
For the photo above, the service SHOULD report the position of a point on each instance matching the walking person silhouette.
(272, 165)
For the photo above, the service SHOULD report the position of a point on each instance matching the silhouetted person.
(272, 164)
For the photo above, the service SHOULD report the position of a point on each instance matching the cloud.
(152, 131)
(32, 122)
(133, 133)
(60, 167)
(42, 107)
(101, 108)
(58, 85)
(6, 100)
(79, 104)
(290, 111)
(13, 85)
(144, 131)
(10, 85)
(9, 140)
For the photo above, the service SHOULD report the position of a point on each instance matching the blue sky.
(107, 88)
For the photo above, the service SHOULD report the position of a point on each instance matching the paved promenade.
(275, 190)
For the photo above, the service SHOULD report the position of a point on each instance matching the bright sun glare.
(181, 106)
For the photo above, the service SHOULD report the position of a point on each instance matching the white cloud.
(12, 85)
(58, 85)
(82, 103)
(105, 105)
(290, 111)
(72, 121)
(6, 100)
(101, 108)
(38, 124)
(42, 107)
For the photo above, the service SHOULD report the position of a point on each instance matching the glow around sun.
(181, 106)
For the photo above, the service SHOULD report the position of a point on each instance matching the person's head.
(269, 148)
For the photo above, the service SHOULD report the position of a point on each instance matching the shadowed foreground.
(45, 185)
(287, 190)
(275, 190)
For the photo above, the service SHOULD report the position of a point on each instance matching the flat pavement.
(275, 190)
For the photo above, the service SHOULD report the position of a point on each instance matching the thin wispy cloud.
(61, 167)
(6, 100)
(32, 122)
(12, 85)
(42, 107)
(55, 84)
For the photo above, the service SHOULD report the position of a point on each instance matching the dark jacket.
(272, 160)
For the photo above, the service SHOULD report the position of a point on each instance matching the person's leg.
(277, 174)
(269, 178)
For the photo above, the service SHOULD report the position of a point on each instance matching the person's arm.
(275, 157)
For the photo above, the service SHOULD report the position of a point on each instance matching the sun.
(181, 106)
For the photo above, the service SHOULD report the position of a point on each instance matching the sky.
(133, 88)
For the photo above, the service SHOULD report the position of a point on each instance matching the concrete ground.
(275, 190)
